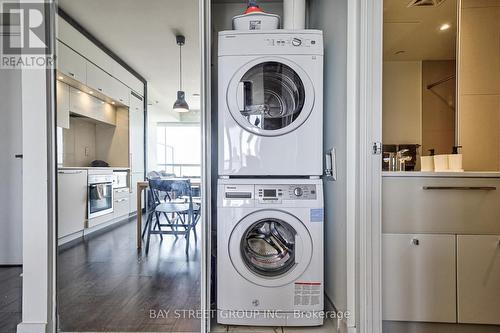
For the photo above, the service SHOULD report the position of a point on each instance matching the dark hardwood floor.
(106, 285)
(10, 298)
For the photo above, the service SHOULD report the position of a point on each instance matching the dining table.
(141, 186)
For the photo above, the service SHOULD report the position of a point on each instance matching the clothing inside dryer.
(273, 95)
(268, 247)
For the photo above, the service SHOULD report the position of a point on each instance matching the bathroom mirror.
(419, 78)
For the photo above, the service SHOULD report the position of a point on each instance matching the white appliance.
(270, 252)
(71, 201)
(120, 179)
(270, 103)
(100, 193)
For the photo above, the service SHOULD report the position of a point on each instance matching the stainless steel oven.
(100, 194)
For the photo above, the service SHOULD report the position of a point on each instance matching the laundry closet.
(303, 167)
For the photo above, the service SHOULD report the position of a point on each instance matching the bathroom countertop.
(466, 174)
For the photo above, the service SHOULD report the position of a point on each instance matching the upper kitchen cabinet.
(99, 80)
(120, 92)
(71, 63)
(70, 36)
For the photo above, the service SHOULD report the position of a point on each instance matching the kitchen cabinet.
(99, 80)
(419, 281)
(71, 201)
(71, 63)
(136, 126)
(121, 204)
(120, 92)
(478, 279)
(86, 105)
(62, 105)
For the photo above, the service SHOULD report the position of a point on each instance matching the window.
(179, 149)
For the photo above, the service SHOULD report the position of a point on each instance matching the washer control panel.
(286, 192)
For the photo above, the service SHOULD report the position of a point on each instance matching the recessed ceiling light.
(113, 103)
(444, 26)
(61, 78)
(91, 92)
(79, 91)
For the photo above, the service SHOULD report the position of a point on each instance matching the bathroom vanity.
(441, 247)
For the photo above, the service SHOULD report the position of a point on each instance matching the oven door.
(100, 199)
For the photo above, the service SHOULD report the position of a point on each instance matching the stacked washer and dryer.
(270, 195)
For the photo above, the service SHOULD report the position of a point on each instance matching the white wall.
(11, 168)
(402, 102)
(331, 16)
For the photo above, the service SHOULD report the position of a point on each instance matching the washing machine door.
(270, 248)
(270, 96)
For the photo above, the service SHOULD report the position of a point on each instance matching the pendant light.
(180, 104)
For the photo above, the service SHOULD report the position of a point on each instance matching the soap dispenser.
(455, 160)
(427, 162)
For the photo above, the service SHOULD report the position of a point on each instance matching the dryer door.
(270, 96)
(270, 248)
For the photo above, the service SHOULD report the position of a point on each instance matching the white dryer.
(270, 252)
(270, 103)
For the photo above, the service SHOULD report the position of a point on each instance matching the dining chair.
(163, 194)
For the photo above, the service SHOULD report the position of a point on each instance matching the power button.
(296, 42)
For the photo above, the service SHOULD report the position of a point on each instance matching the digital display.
(269, 193)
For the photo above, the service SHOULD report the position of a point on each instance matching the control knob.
(296, 42)
(298, 192)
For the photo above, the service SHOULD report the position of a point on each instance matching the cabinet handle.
(100, 89)
(415, 241)
(121, 200)
(461, 188)
(70, 172)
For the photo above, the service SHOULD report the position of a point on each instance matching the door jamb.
(370, 14)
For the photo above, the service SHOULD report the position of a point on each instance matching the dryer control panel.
(286, 192)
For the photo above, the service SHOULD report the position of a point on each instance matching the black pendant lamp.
(180, 104)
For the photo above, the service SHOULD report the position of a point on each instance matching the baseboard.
(423, 327)
(32, 328)
(11, 261)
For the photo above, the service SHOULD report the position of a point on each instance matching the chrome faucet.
(401, 159)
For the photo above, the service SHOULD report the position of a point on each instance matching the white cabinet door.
(62, 105)
(91, 107)
(136, 125)
(419, 278)
(478, 278)
(99, 80)
(120, 92)
(71, 63)
(136, 177)
(71, 201)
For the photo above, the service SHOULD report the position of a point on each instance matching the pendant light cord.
(180, 66)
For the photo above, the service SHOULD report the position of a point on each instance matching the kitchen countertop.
(93, 168)
(466, 174)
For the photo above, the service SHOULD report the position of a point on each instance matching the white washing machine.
(270, 252)
(270, 103)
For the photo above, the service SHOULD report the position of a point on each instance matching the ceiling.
(142, 33)
(412, 34)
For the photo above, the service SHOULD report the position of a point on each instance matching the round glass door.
(270, 247)
(270, 97)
